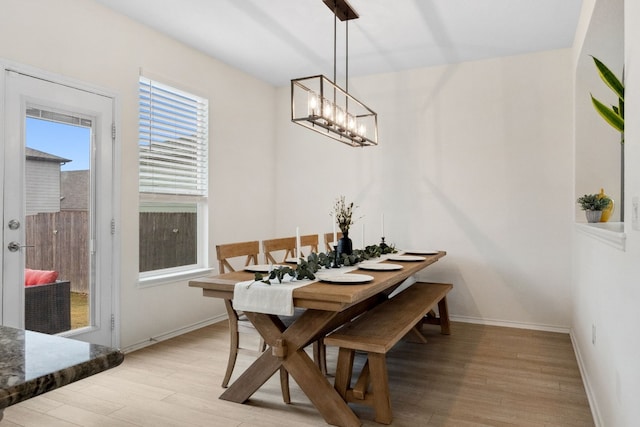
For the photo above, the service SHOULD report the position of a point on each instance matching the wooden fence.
(60, 242)
(167, 239)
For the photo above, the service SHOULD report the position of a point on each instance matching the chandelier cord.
(346, 55)
(335, 26)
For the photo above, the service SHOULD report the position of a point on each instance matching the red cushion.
(39, 277)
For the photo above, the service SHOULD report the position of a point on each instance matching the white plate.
(345, 278)
(406, 258)
(262, 268)
(379, 266)
(420, 252)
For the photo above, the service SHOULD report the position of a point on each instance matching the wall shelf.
(611, 233)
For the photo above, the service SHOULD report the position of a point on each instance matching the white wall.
(605, 279)
(474, 159)
(83, 40)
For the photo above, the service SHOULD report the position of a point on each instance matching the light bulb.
(327, 109)
(339, 116)
(312, 104)
(351, 123)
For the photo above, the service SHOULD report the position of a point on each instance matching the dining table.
(327, 306)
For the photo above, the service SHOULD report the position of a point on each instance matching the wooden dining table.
(328, 306)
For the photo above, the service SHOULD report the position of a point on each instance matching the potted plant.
(592, 205)
(343, 214)
(613, 115)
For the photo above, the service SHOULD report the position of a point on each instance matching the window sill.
(163, 279)
(611, 233)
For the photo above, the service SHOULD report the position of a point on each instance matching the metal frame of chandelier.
(319, 104)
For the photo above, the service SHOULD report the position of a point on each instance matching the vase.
(606, 212)
(344, 244)
(593, 216)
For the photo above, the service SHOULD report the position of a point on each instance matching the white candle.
(335, 235)
(298, 253)
(363, 246)
(382, 222)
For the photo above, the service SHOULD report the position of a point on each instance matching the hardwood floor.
(478, 376)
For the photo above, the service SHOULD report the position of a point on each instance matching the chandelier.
(319, 104)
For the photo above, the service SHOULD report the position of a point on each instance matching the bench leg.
(417, 333)
(362, 384)
(344, 369)
(445, 326)
(380, 386)
(442, 320)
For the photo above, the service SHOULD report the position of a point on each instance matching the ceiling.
(277, 40)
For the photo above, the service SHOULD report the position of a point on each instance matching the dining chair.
(310, 241)
(288, 245)
(328, 239)
(274, 247)
(238, 322)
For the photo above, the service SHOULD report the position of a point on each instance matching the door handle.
(15, 246)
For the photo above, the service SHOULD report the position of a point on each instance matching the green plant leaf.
(608, 114)
(609, 78)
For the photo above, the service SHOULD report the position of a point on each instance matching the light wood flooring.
(478, 376)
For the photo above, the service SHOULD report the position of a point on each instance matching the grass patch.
(79, 310)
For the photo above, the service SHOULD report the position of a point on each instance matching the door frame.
(116, 174)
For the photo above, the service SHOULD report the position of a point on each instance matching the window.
(173, 161)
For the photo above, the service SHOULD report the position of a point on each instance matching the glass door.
(57, 206)
(57, 197)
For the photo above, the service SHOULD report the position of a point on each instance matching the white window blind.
(172, 140)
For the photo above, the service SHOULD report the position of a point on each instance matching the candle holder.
(383, 246)
(335, 257)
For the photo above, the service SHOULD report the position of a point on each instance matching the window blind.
(172, 140)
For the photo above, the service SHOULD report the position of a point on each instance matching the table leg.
(290, 344)
(324, 397)
(252, 379)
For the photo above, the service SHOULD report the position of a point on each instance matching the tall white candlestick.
(298, 253)
(382, 222)
(335, 235)
(363, 246)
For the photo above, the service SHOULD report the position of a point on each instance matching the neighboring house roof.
(33, 154)
(74, 190)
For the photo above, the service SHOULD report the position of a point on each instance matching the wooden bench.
(376, 332)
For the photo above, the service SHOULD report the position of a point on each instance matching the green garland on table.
(307, 268)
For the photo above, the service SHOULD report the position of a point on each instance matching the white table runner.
(259, 297)
(275, 298)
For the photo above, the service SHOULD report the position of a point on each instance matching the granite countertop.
(32, 363)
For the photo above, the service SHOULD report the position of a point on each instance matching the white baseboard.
(174, 333)
(597, 420)
(509, 324)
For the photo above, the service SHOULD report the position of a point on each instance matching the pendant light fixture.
(319, 104)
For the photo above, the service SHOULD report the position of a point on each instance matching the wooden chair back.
(286, 244)
(233, 250)
(311, 241)
(328, 239)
